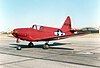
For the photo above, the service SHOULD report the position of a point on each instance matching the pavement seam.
(49, 60)
(16, 61)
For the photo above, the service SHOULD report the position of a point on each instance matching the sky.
(25, 13)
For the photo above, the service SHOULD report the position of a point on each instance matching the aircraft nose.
(14, 31)
(19, 32)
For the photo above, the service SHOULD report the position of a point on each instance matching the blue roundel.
(59, 33)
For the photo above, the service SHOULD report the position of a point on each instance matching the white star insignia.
(59, 33)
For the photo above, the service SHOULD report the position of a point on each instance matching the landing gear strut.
(46, 46)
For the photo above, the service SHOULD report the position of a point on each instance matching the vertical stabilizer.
(67, 25)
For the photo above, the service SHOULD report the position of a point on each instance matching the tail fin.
(67, 25)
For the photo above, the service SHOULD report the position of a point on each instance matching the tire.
(19, 48)
(30, 44)
(46, 46)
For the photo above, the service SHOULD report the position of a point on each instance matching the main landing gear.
(30, 44)
(46, 46)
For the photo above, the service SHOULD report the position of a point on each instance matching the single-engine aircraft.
(43, 33)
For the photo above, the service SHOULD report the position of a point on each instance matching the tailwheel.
(30, 44)
(19, 48)
(46, 46)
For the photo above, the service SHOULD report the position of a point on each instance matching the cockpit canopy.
(37, 27)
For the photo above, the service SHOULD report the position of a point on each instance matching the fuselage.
(38, 33)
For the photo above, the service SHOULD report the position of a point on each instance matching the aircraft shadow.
(41, 46)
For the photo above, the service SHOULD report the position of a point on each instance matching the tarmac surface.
(74, 52)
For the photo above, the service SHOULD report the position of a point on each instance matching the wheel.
(18, 48)
(30, 44)
(46, 46)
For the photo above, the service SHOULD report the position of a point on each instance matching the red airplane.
(43, 33)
